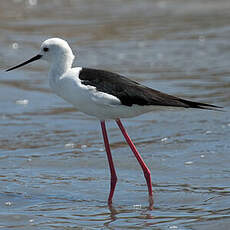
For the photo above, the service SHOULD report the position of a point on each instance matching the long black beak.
(37, 57)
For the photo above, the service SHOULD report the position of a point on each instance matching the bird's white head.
(54, 50)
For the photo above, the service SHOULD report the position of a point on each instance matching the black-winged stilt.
(105, 95)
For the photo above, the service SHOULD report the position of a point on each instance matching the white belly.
(87, 100)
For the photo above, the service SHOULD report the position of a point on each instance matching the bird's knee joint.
(147, 174)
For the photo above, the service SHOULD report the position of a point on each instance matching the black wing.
(131, 92)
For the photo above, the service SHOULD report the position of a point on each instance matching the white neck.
(61, 65)
(58, 68)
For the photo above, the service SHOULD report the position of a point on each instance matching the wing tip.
(200, 105)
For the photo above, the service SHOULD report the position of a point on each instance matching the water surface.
(53, 167)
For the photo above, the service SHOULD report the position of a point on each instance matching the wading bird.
(104, 95)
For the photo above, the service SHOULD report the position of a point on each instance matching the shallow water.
(53, 167)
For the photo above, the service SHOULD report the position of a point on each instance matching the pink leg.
(111, 165)
(145, 169)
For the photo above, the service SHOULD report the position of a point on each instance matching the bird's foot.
(151, 202)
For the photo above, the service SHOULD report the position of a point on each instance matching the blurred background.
(53, 166)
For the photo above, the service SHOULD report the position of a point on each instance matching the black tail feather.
(199, 105)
